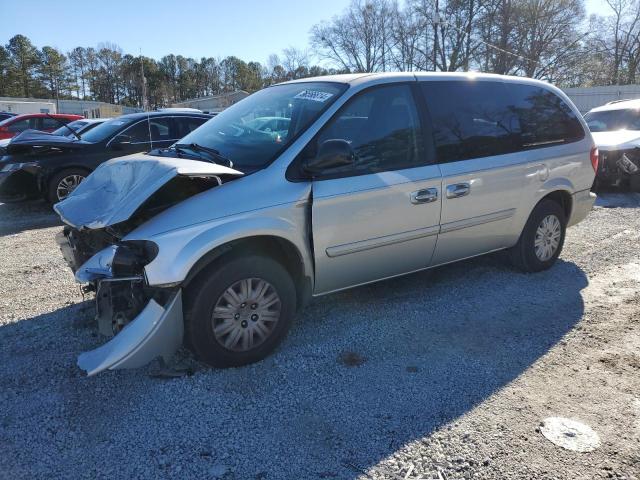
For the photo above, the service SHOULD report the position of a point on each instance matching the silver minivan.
(314, 186)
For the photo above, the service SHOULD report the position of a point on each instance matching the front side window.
(609, 120)
(382, 126)
(237, 132)
(138, 133)
(471, 119)
(545, 119)
(160, 129)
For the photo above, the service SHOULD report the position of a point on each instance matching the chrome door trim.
(479, 220)
(371, 243)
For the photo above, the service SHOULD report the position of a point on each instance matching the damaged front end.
(616, 167)
(144, 320)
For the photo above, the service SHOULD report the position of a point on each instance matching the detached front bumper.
(147, 322)
(156, 332)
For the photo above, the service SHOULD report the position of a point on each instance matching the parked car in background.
(616, 130)
(5, 115)
(53, 166)
(71, 130)
(376, 176)
(44, 122)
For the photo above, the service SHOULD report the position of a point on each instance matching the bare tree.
(355, 40)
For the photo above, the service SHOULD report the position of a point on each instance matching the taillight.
(594, 158)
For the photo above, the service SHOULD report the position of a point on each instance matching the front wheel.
(542, 239)
(63, 183)
(239, 310)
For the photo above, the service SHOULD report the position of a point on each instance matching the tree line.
(546, 39)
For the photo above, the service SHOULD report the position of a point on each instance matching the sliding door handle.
(426, 195)
(458, 190)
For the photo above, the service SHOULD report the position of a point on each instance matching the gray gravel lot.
(450, 372)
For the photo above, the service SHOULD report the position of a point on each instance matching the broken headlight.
(127, 259)
(132, 256)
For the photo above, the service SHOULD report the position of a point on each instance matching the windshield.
(609, 120)
(254, 131)
(106, 129)
(75, 126)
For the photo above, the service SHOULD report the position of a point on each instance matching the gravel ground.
(448, 373)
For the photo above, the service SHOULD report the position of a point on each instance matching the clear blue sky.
(249, 29)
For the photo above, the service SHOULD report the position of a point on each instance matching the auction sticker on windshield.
(314, 95)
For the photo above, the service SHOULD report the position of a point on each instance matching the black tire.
(52, 187)
(204, 293)
(634, 182)
(523, 255)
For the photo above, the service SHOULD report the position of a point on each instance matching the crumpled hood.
(36, 138)
(117, 188)
(617, 140)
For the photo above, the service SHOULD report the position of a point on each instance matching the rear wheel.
(63, 183)
(239, 310)
(542, 239)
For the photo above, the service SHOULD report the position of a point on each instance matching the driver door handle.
(458, 190)
(426, 195)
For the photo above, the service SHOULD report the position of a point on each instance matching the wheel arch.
(563, 198)
(46, 175)
(279, 248)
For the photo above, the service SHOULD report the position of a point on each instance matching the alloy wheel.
(67, 185)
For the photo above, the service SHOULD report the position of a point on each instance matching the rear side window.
(187, 125)
(471, 119)
(545, 119)
(383, 128)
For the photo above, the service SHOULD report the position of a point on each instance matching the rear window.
(471, 119)
(545, 119)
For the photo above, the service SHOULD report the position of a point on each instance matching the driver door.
(379, 217)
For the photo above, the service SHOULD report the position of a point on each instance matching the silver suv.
(314, 186)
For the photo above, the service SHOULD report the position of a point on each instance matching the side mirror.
(331, 154)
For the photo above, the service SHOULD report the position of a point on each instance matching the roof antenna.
(145, 105)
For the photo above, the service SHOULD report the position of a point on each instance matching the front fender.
(179, 250)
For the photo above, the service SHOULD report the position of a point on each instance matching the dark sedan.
(53, 166)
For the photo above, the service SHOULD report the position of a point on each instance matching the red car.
(36, 121)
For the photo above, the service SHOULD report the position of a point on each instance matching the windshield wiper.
(213, 153)
(76, 134)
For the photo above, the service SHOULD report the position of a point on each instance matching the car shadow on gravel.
(362, 374)
(32, 215)
(437, 344)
